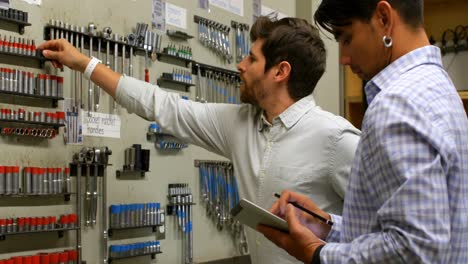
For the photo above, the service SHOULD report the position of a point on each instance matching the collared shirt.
(304, 149)
(407, 199)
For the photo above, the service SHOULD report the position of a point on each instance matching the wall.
(329, 90)
(122, 16)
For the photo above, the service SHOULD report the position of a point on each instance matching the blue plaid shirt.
(407, 199)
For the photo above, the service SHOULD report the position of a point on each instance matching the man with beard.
(279, 139)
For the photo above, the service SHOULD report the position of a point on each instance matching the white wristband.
(90, 68)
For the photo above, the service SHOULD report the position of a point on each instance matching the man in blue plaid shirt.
(407, 197)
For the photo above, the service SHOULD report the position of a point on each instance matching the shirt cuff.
(335, 231)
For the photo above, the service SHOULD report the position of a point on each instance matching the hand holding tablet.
(252, 215)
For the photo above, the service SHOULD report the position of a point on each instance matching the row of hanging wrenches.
(219, 192)
(215, 36)
(216, 85)
(90, 38)
(242, 40)
(181, 201)
(81, 37)
(92, 158)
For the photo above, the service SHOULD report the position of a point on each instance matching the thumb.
(49, 54)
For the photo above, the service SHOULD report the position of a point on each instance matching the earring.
(387, 41)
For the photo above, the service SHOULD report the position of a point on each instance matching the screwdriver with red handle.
(147, 78)
(146, 47)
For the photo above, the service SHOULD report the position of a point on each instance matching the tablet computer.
(250, 214)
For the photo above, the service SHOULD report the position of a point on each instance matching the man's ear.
(384, 12)
(283, 71)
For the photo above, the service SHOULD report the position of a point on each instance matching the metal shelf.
(19, 23)
(111, 230)
(119, 173)
(153, 256)
(23, 195)
(160, 55)
(162, 80)
(178, 34)
(205, 67)
(150, 135)
(55, 126)
(136, 49)
(35, 61)
(60, 231)
(53, 99)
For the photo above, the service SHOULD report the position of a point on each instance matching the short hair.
(298, 42)
(338, 13)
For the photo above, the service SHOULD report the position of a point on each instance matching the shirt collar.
(385, 78)
(291, 115)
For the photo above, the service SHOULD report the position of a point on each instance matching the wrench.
(97, 92)
(116, 56)
(82, 31)
(91, 88)
(88, 154)
(97, 154)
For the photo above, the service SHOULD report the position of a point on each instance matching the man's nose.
(241, 65)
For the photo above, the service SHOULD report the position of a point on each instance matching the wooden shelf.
(463, 95)
(354, 99)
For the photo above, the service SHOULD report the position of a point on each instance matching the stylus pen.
(323, 220)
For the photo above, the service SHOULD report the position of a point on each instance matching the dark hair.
(337, 13)
(296, 41)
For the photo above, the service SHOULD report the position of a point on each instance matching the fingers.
(57, 65)
(53, 55)
(275, 208)
(51, 45)
(287, 197)
(291, 217)
(300, 199)
(51, 50)
(277, 237)
(283, 201)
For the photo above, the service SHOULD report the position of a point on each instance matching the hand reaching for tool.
(61, 52)
(306, 233)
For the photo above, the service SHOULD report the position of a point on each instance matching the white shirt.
(305, 149)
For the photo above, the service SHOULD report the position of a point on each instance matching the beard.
(247, 97)
(251, 93)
